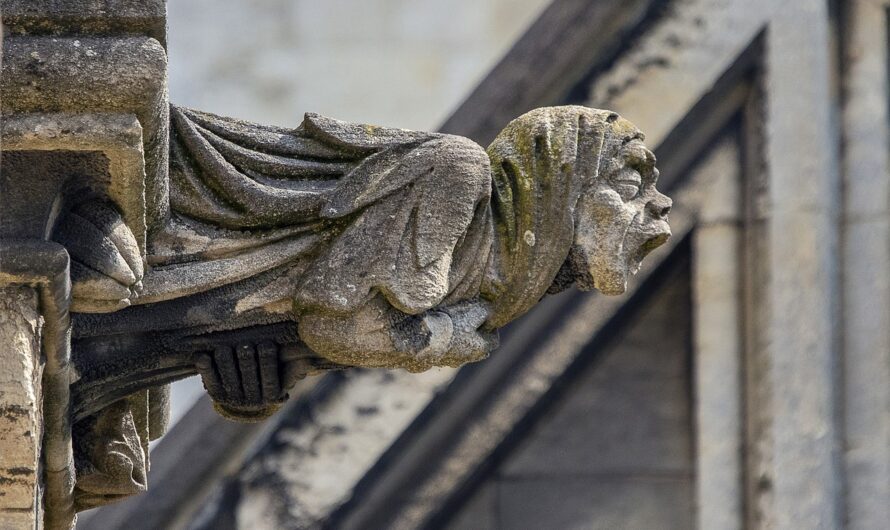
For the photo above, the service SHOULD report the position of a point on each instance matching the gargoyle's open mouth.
(651, 242)
(654, 242)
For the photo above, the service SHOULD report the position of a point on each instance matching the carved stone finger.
(267, 353)
(295, 364)
(439, 329)
(93, 292)
(250, 377)
(209, 376)
(226, 365)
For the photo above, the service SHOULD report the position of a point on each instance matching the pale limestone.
(20, 405)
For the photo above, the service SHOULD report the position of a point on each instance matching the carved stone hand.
(471, 341)
(250, 381)
(449, 336)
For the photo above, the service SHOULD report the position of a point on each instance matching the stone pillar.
(84, 107)
(718, 340)
(866, 255)
(802, 483)
(36, 460)
(20, 408)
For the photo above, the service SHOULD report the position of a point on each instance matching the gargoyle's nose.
(660, 206)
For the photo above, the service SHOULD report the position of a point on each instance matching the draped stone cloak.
(423, 218)
(358, 209)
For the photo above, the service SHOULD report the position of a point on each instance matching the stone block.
(81, 74)
(88, 74)
(104, 150)
(86, 17)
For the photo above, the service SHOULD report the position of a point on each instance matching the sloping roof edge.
(570, 41)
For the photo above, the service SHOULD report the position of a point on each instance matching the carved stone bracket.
(256, 255)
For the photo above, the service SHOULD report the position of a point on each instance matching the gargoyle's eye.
(628, 183)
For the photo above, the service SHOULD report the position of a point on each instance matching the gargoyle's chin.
(611, 281)
(587, 273)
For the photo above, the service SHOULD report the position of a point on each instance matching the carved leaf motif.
(106, 265)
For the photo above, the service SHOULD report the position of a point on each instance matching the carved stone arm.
(380, 336)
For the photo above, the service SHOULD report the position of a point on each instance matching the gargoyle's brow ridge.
(629, 139)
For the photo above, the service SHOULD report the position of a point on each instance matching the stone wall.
(616, 450)
(20, 407)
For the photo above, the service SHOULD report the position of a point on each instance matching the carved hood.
(541, 163)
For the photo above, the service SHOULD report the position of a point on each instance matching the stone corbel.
(256, 255)
(84, 118)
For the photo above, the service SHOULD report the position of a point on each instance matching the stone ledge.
(86, 17)
(89, 74)
(117, 136)
(82, 74)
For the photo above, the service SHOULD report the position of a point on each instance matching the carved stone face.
(619, 219)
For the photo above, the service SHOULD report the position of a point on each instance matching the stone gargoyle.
(291, 251)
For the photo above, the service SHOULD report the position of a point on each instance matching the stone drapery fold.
(398, 212)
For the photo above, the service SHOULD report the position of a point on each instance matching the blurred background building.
(744, 379)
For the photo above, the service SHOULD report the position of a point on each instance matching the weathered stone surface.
(386, 246)
(111, 460)
(87, 74)
(21, 425)
(101, 17)
(268, 254)
(43, 150)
